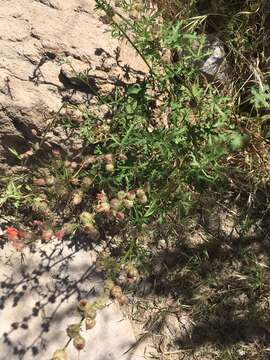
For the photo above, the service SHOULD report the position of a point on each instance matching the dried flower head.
(59, 354)
(86, 217)
(128, 204)
(77, 197)
(73, 330)
(116, 292)
(89, 323)
(103, 207)
(86, 183)
(79, 342)
(109, 168)
(121, 195)
(115, 204)
(108, 158)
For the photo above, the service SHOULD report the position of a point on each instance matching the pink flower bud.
(120, 216)
(47, 235)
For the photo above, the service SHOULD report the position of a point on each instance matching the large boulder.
(36, 38)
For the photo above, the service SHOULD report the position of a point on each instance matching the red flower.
(12, 232)
(14, 237)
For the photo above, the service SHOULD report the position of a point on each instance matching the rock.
(214, 66)
(38, 41)
(39, 297)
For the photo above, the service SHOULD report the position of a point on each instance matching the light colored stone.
(39, 295)
(48, 33)
(215, 65)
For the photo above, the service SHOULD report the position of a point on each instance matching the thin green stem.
(108, 9)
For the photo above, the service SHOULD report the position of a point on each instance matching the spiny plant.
(160, 140)
(173, 127)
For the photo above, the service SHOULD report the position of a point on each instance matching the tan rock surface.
(36, 37)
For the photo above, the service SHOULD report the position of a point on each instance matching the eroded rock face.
(36, 38)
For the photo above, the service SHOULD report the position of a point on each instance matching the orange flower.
(14, 238)
(12, 232)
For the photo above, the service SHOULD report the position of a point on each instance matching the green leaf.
(238, 141)
(260, 97)
(134, 90)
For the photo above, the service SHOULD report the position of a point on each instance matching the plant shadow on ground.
(39, 293)
(219, 275)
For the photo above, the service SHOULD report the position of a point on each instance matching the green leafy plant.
(260, 97)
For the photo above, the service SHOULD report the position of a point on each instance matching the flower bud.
(40, 206)
(77, 197)
(74, 165)
(82, 305)
(140, 193)
(73, 330)
(123, 300)
(100, 303)
(120, 216)
(115, 204)
(143, 199)
(69, 228)
(131, 195)
(59, 354)
(133, 273)
(102, 197)
(104, 207)
(89, 160)
(50, 180)
(116, 292)
(89, 323)
(90, 311)
(56, 153)
(86, 183)
(75, 181)
(121, 195)
(88, 228)
(108, 284)
(67, 163)
(122, 157)
(79, 342)
(128, 204)
(47, 235)
(108, 158)
(56, 163)
(109, 168)
(86, 217)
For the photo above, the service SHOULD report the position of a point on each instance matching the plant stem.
(108, 9)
